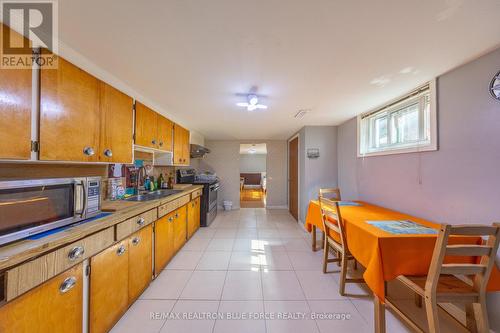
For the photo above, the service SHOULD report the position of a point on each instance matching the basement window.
(405, 125)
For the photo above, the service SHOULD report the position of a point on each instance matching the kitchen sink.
(154, 195)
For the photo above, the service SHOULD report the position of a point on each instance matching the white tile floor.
(253, 262)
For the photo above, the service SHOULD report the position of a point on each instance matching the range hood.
(198, 151)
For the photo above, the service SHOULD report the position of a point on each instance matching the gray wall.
(253, 162)
(277, 181)
(459, 183)
(224, 159)
(319, 172)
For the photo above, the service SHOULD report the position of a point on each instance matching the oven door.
(212, 196)
(29, 207)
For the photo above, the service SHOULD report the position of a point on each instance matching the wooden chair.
(327, 193)
(333, 223)
(448, 283)
(330, 193)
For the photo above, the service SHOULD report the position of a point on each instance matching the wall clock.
(495, 87)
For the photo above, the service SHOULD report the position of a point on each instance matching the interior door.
(146, 126)
(164, 241)
(55, 304)
(15, 110)
(140, 262)
(165, 133)
(69, 114)
(293, 183)
(108, 287)
(116, 142)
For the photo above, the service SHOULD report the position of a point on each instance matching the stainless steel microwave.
(29, 207)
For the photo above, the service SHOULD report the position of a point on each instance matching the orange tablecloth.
(384, 255)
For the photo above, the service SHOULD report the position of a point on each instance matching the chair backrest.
(330, 193)
(484, 251)
(332, 220)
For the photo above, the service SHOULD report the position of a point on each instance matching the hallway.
(252, 198)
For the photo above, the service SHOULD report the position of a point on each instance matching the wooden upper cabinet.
(140, 262)
(181, 145)
(186, 148)
(116, 141)
(108, 287)
(152, 130)
(165, 133)
(146, 126)
(69, 114)
(15, 112)
(56, 305)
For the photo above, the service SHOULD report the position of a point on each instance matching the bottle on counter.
(147, 183)
(152, 183)
(161, 181)
(170, 183)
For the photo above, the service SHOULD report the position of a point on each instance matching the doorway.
(253, 176)
(293, 177)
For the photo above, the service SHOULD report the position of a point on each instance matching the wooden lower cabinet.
(180, 227)
(54, 306)
(140, 262)
(193, 221)
(164, 241)
(108, 287)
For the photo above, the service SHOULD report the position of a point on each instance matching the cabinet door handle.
(161, 143)
(136, 240)
(89, 151)
(141, 221)
(76, 253)
(170, 219)
(108, 153)
(154, 141)
(121, 250)
(176, 215)
(67, 284)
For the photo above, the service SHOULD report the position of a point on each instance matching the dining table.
(385, 255)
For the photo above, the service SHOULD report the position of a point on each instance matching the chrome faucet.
(141, 175)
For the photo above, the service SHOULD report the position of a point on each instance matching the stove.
(208, 199)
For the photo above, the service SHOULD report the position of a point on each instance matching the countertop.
(24, 250)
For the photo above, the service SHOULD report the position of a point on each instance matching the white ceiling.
(260, 148)
(337, 58)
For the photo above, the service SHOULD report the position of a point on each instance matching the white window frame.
(398, 103)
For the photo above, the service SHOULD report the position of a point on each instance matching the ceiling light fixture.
(252, 104)
(252, 150)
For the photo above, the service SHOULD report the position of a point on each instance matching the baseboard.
(277, 207)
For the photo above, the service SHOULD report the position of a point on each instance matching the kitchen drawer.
(167, 208)
(135, 223)
(173, 205)
(196, 194)
(29, 275)
(184, 200)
